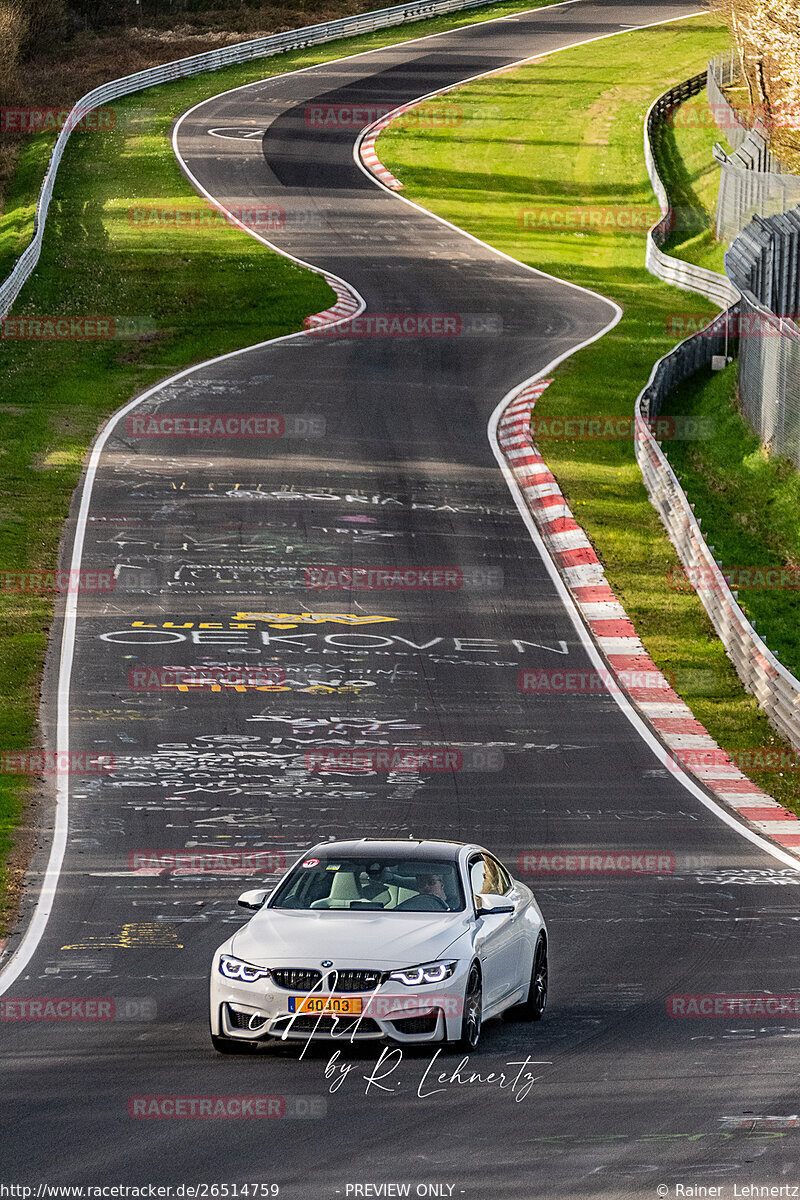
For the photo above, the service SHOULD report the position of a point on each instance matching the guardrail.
(210, 60)
(774, 687)
(676, 271)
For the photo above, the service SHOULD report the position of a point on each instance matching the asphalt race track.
(385, 461)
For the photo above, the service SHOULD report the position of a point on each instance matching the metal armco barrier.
(774, 687)
(676, 271)
(211, 60)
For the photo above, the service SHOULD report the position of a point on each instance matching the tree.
(767, 36)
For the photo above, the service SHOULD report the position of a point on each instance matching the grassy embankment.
(566, 137)
(194, 292)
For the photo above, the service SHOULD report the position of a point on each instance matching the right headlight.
(433, 972)
(244, 972)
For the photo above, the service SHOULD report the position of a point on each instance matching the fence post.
(775, 688)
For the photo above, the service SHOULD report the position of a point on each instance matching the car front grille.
(416, 1024)
(304, 979)
(354, 981)
(296, 979)
(341, 1026)
(241, 1020)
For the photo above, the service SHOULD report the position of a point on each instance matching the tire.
(532, 1009)
(224, 1045)
(472, 1016)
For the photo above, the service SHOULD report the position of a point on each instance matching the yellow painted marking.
(145, 934)
(292, 620)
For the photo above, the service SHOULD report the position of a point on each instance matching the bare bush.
(46, 23)
(12, 33)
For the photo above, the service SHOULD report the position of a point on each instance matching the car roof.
(416, 848)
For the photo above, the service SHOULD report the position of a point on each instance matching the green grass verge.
(683, 153)
(191, 294)
(565, 137)
(195, 292)
(16, 220)
(748, 502)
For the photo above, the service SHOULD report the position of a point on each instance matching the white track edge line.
(332, 62)
(621, 699)
(44, 904)
(571, 608)
(472, 79)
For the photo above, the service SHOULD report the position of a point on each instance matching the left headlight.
(434, 972)
(235, 968)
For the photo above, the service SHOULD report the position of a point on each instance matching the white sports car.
(415, 941)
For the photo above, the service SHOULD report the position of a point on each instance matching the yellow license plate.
(326, 1006)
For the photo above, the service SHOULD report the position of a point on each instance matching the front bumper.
(260, 1011)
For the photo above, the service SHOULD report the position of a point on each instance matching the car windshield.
(361, 884)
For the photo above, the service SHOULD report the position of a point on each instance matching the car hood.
(277, 937)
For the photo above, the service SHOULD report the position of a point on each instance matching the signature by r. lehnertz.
(517, 1078)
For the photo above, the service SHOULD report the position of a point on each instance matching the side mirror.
(494, 906)
(254, 899)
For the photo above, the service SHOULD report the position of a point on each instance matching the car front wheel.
(472, 1016)
(533, 1008)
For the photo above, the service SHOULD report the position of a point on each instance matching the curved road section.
(233, 666)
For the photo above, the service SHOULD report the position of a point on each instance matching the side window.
(477, 875)
(487, 877)
(504, 884)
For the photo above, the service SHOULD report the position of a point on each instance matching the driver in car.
(432, 885)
